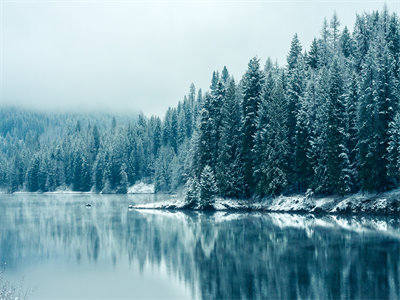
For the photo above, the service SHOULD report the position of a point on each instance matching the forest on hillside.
(328, 121)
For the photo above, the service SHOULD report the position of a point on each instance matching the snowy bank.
(361, 203)
(141, 188)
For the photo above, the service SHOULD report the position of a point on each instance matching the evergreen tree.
(394, 151)
(95, 139)
(98, 172)
(192, 193)
(123, 184)
(229, 170)
(346, 43)
(303, 167)
(162, 176)
(215, 119)
(313, 55)
(337, 164)
(351, 129)
(204, 139)
(86, 176)
(208, 188)
(77, 172)
(32, 175)
(271, 145)
(295, 90)
(317, 97)
(224, 75)
(378, 104)
(335, 35)
(252, 86)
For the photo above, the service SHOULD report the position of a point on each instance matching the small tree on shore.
(192, 192)
(208, 188)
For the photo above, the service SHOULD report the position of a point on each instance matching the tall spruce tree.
(338, 163)
(229, 169)
(252, 86)
(271, 140)
(295, 90)
(207, 189)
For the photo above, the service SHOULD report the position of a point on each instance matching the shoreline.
(387, 203)
(382, 204)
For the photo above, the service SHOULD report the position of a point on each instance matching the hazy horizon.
(121, 56)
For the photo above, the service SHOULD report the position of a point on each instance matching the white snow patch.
(168, 204)
(141, 188)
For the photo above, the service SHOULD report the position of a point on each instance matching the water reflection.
(216, 255)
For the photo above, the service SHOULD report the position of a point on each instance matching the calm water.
(62, 249)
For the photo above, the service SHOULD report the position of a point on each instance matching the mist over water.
(62, 248)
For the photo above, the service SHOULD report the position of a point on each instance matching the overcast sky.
(143, 55)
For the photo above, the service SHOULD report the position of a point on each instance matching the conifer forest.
(327, 121)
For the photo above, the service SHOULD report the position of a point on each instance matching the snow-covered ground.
(368, 203)
(141, 188)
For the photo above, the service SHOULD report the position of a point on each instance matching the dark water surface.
(62, 249)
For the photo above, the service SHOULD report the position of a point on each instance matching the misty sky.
(143, 55)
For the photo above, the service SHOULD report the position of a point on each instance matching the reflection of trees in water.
(249, 256)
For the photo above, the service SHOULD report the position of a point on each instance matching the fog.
(143, 55)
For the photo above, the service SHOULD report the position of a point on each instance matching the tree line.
(327, 121)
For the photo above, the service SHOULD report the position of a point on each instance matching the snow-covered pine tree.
(86, 178)
(204, 140)
(98, 172)
(191, 193)
(378, 105)
(271, 140)
(393, 42)
(338, 164)
(156, 137)
(346, 43)
(33, 174)
(325, 49)
(351, 130)
(367, 114)
(181, 123)
(42, 174)
(162, 176)
(229, 166)
(312, 58)
(317, 96)
(123, 184)
(208, 189)
(295, 90)
(225, 75)
(335, 32)
(252, 86)
(303, 166)
(12, 176)
(215, 118)
(394, 151)
(387, 93)
(77, 172)
(361, 37)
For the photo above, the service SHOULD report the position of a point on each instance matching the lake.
(60, 248)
